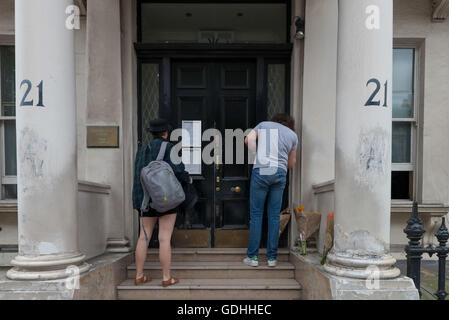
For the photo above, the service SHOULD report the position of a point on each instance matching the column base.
(118, 246)
(47, 267)
(318, 284)
(361, 266)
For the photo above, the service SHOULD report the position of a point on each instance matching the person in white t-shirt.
(275, 144)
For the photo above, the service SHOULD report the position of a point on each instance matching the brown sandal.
(141, 280)
(170, 282)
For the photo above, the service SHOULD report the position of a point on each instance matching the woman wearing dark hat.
(159, 131)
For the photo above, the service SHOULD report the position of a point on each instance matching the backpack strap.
(161, 154)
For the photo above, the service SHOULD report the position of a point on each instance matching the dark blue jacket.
(144, 156)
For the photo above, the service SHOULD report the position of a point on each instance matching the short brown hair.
(285, 120)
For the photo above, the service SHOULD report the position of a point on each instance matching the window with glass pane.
(8, 93)
(403, 83)
(8, 123)
(275, 89)
(404, 120)
(214, 22)
(401, 142)
(150, 97)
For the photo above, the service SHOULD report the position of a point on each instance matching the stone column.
(363, 141)
(46, 143)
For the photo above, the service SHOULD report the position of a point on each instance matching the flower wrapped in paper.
(308, 223)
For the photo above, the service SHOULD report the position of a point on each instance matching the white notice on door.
(191, 134)
(191, 157)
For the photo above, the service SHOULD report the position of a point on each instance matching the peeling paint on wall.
(373, 153)
(47, 248)
(358, 243)
(32, 154)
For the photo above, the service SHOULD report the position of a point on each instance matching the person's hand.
(191, 180)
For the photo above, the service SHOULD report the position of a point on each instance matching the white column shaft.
(46, 136)
(363, 136)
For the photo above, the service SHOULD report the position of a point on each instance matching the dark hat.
(158, 125)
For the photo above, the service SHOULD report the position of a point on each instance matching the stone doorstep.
(219, 270)
(213, 265)
(216, 284)
(219, 279)
(213, 289)
(214, 255)
(216, 251)
(318, 284)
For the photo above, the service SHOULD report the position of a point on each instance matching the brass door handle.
(217, 162)
(236, 189)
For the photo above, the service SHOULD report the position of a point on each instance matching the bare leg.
(166, 225)
(141, 248)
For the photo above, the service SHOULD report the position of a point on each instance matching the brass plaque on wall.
(102, 137)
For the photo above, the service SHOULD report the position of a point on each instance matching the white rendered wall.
(105, 107)
(6, 17)
(319, 94)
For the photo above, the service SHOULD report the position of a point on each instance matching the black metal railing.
(415, 250)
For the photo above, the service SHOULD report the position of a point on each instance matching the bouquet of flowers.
(329, 240)
(308, 223)
(285, 218)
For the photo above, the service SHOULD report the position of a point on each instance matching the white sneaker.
(272, 263)
(253, 262)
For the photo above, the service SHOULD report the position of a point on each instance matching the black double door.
(216, 95)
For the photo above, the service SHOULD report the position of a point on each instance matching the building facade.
(367, 86)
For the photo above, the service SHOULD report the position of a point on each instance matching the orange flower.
(300, 208)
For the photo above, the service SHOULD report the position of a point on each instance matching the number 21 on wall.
(27, 103)
(371, 101)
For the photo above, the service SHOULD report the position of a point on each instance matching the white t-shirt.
(274, 143)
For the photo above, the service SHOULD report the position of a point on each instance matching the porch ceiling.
(82, 4)
(440, 10)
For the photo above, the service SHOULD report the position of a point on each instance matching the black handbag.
(191, 197)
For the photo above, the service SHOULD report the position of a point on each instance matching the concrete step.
(218, 270)
(212, 289)
(214, 254)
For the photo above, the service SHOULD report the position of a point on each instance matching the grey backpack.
(160, 184)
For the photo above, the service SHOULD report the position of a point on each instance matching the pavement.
(429, 277)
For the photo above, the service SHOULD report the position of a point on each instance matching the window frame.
(414, 165)
(5, 40)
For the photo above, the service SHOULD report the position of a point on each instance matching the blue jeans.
(261, 187)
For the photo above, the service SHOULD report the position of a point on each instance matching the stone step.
(218, 270)
(212, 289)
(214, 254)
